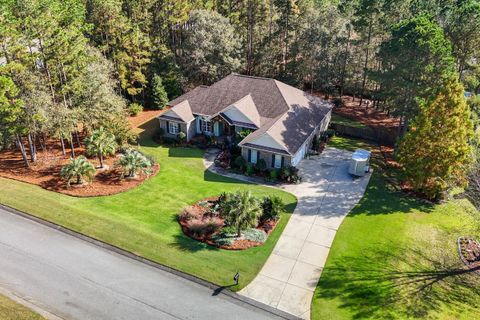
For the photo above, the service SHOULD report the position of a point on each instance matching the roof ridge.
(253, 77)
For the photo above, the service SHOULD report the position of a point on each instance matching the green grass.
(143, 220)
(11, 310)
(349, 143)
(394, 257)
(347, 122)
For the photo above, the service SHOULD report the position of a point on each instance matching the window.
(206, 126)
(277, 162)
(173, 128)
(253, 156)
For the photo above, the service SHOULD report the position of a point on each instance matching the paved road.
(74, 279)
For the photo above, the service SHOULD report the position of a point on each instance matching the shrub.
(240, 162)
(188, 214)
(228, 231)
(134, 109)
(261, 165)
(241, 210)
(249, 169)
(181, 136)
(78, 169)
(201, 228)
(134, 162)
(101, 143)
(290, 175)
(338, 102)
(273, 175)
(222, 240)
(159, 133)
(255, 235)
(272, 208)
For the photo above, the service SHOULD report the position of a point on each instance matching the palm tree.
(79, 168)
(133, 162)
(101, 143)
(241, 211)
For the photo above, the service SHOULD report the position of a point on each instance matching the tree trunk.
(63, 146)
(71, 145)
(77, 135)
(22, 150)
(100, 157)
(79, 179)
(365, 65)
(31, 146)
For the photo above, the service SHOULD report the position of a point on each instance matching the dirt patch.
(469, 251)
(201, 212)
(144, 116)
(45, 172)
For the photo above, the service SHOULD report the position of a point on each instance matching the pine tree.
(435, 151)
(159, 95)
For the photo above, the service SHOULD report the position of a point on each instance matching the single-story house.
(283, 120)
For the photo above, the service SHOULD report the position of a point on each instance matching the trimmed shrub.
(261, 165)
(240, 162)
(182, 136)
(273, 175)
(254, 235)
(134, 109)
(249, 169)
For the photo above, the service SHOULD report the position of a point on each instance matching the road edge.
(131, 255)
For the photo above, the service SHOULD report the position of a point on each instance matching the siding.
(267, 156)
(163, 125)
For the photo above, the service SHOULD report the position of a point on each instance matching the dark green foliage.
(249, 169)
(290, 174)
(272, 208)
(261, 165)
(240, 162)
(159, 95)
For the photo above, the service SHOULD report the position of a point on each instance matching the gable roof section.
(181, 111)
(243, 111)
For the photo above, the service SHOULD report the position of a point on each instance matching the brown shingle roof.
(287, 114)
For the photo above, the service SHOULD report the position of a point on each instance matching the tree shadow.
(187, 244)
(219, 290)
(185, 152)
(400, 283)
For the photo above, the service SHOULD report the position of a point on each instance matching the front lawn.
(347, 122)
(11, 310)
(394, 257)
(143, 220)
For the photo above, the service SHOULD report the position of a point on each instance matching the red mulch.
(240, 244)
(46, 173)
(366, 114)
(144, 116)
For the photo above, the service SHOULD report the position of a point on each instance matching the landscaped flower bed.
(469, 250)
(235, 221)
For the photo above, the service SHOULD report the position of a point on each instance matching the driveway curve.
(325, 196)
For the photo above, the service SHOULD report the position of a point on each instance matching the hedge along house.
(283, 120)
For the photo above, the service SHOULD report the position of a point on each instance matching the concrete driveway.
(73, 279)
(325, 196)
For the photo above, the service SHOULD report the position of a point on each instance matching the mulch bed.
(238, 244)
(46, 173)
(469, 251)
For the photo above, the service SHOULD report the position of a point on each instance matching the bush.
(290, 175)
(188, 214)
(261, 165)
(272, 208)
(240, 162)
(201, 228)
(134, 109)
(338, 102)
(222, 240)
(255, 235)
(249, 170)
(228, 231)
(273, 175)
(181, 136)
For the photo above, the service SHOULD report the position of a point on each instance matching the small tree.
(159, 94)
(435, 153)
(241, 211)
(79, 169)
(272, 208)
(101, 143)
(133, 162)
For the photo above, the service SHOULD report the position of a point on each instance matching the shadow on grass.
(185, 243)
(185, 152)
(400, 283)
(380, 198)
(213, 177)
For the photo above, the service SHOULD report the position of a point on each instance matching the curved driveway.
(325, 196)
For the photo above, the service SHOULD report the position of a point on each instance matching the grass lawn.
(349, 143)
(143, 220)
(346, 122)
(11, 310)
(394, 257)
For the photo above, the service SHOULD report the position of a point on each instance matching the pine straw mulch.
(46, 173)
(205, 213)
(469, 251)
(144, 116)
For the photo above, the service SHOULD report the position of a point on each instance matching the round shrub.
(272, 208)
(134, 109)
(261, 165)
(240, 162)
(249, 170)
(254, 235)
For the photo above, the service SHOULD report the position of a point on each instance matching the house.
(283, 120)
